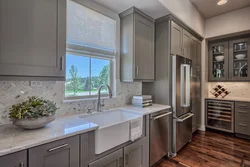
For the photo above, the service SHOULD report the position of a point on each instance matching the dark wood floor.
(210, 149)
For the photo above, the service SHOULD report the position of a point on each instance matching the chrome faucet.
(99, 105)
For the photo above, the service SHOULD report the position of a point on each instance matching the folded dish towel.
(136, 128)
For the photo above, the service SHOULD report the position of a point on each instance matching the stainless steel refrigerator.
(181, 102)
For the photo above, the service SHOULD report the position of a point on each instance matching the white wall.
(232, 22)
(186, 12)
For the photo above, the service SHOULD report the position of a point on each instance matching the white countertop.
(240, 99)
(14, 139)
(147, 110)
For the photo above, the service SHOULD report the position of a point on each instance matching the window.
(91, 51)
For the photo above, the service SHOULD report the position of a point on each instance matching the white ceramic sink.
(113, 128)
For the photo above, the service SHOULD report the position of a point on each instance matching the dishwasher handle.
(162, 115)
(185, 118)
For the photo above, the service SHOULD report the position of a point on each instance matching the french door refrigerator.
(181, 102)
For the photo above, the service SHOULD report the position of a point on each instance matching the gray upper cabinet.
(32, 39)
(137, 46)
(62, 153)
(176, 39)
(187, 40)
(18, 159)
(180, 41)
(135, 155)
(239, 59)
(218, 61)
(229, 60)
(112, 160)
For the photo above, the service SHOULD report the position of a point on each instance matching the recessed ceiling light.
(222, 2)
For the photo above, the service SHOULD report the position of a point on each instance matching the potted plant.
(33, 113)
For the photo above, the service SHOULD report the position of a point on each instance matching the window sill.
(85, 99)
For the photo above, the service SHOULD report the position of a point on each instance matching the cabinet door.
(176, 39)
(144, 49)
(18, 159)
(135, 155)
(112, 160)
(239, 59)
(193, 55)
(62, 153)
(218, 62)
(187, 40)
(33, 38)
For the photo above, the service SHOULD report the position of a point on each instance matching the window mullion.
(90, 77)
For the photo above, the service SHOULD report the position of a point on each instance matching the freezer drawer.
(159, 125)
(183, 132)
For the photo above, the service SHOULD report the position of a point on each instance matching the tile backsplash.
(237, 89)
(12, 92)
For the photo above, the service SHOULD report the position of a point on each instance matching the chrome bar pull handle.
(21, 164)
(137, 70)
(57, 148)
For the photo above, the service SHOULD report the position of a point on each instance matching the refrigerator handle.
(182, 85)
(188, 84)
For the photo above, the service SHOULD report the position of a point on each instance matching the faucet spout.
(99, 105)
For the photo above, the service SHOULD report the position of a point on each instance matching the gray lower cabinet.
(242, 118)
(32, 39)
(137, 46)
(112, 160)
(135, 154)
(61, 153)
(18, 159)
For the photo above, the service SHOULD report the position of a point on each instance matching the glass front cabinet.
(228, 61)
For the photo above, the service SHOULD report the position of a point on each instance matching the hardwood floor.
(210, 149)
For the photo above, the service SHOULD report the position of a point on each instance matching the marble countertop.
(240, 99)
(14, 139)
(147, 110)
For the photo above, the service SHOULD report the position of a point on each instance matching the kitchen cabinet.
(242, 118)
(196, 81)
(112, 160)
(135, 154)
(137, 46)
(176, 39)
(18, 159)
(239, 59)
(229, 59)
(32, 39)
(218, 61)
(180, 41)
(63, 153)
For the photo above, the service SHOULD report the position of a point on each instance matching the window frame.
(87, 51)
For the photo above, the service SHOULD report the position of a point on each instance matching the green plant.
(34, 107)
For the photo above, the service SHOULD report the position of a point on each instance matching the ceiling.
(209, 8)
(152, 8)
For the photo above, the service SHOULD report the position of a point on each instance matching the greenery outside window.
(91, 51)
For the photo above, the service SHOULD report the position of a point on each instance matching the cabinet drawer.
(242, 105)
(242, 127)
(242, 114)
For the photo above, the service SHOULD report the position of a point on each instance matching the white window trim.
(93, 52)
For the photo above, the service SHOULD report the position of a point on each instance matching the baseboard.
(202, 128)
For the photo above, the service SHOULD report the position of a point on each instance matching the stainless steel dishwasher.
(159, 127)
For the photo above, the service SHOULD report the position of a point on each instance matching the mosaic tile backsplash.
(12, 92)
(237, 89)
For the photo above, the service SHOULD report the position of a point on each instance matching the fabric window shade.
(89, 28)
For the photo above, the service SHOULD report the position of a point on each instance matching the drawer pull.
(57, 148)
(243, 125)
(243, 112)
(21, 164)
